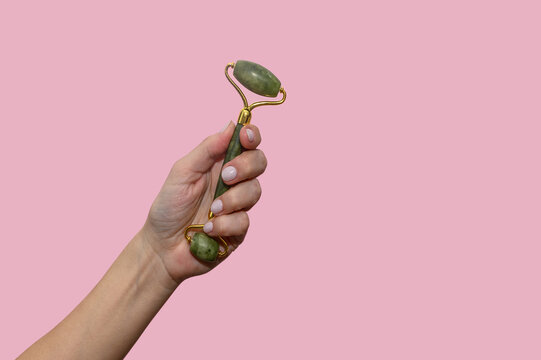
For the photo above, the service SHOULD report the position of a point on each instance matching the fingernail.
(250, 134)
(217, 206)
(208, 227)
(225, 127)
(229, 173)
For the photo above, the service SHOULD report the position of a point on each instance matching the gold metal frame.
(244, 118)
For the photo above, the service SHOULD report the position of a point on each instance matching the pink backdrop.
(400, 216)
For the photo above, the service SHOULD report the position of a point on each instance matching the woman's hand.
(187, 195)
(110, 319)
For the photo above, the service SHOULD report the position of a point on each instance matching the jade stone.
(204, 247)
(233, 150)
(256, 78)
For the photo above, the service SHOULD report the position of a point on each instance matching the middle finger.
(247, 165)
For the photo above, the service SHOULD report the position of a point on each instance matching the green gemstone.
(204, 247)
(233, 150)
(256, 78)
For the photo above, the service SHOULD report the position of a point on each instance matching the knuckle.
(177, 165)
(233, 200)
(257, 188)
(262, 159)
(179, 169)
(244, 221)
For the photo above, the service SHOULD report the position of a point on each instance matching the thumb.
(211, 150)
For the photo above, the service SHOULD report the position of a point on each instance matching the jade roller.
(261, 81)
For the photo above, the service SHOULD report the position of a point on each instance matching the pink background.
(400, 216)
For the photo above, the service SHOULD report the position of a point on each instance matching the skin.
(108, 322)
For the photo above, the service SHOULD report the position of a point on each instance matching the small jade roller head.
(256, 78)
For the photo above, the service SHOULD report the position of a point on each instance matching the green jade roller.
(261, 81)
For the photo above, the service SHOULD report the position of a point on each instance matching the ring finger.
(239, 197)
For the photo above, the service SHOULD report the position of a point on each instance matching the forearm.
(108, 322)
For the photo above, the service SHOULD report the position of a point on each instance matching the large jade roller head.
(256, 78)
(261, 81)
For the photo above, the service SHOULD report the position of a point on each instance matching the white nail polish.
(217, 206)
(208, 227)
(229, 173)
(250, 135)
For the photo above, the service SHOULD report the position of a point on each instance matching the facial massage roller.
(261, 81)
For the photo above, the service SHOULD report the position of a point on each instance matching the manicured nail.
(225, 127)
(229, 173)
(250, 134)
(208, 227)
(217, 206)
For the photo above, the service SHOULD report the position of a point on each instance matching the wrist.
(152, 264)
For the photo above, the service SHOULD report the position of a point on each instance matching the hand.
(187, 195)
